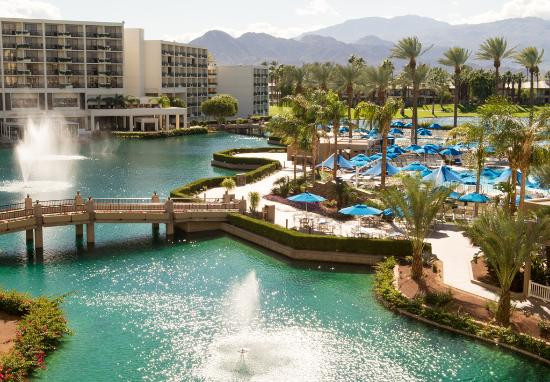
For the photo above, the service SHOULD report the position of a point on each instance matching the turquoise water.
(143, 309)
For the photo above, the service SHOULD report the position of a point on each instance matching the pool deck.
(448, 243)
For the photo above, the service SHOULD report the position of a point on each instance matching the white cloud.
(29, 9)
(316, 7)
(512, 9)
(260, 27)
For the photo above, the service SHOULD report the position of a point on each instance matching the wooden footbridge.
(34, 217)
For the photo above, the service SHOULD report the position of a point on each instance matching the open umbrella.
(306, 198)
(377, 170)
(396, 131)
(412, 148)
(424, 133)
(474, 197)
(360, 210)
(416, 166)
(408, 125)
(396, 150)
(435, 126)
(397, 124)
(450, 152)
(342, 163)
(443, 174)
(426, 150)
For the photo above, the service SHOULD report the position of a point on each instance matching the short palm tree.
(410, 48)
(417, 76)
(319, 75)
(438, 82)
(346, 78)
(330, 111)
(383, 116)
(495, 49)
(520, 78)
(531, 58)
(417, 204)
(378, 80)
(507, 242)
(298, 76)
(456, 58)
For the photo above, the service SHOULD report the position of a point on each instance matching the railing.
(16, 214)
(539, 291)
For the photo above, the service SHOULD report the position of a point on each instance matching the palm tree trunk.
(416, 266)
(404, 96)
(433, 105)
(350, 103)
(457, 90)
(384, 160)
(518, 100)
(513, 191)
(503, 308)
(531, 95)
(522, 188)
(304, 165)
(336, 127)
(496, 79)
(314, 155)
(478, 175)
(414, 138)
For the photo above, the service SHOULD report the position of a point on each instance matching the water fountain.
(250, 351)
(45, 155)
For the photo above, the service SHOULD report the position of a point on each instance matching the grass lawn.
(424, 111)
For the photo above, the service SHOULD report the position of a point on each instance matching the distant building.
(249, 85)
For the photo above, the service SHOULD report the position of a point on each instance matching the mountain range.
(372, 38)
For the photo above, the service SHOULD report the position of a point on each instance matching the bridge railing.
(11, 207)
(125, 206)
(62, 209)
(16, 214)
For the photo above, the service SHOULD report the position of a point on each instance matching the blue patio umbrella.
(426, 172)
(454, 195)
(474, 197)
(489, 173)
(342, 163)
(373, 133)
(360, 210)
(396, 131)
(344, 130)
(469, 180)
(416, 166)
(450, 152)
(306, 198)
(490, 150)
(443, 174)
(408, 125)
(412, 148)
(435, 126)
(424, 133)
(377, 169)
(396, 150)
(433, 146)
(360, 157)
(527, 197)
(427, 150)
(397, 124)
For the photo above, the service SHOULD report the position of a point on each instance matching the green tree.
(298, 77)
(417, 77)
(383, 116)
(520, 78)
(177, 102)
(330, 112)
(220, 107)
(410, 49)
(346, 78)
(319, 75)
(378, 80)
(417, 204)
(507, 242)
(456, 58)
(229, 184)
(495, 49)
(254, 199)
(531, 58)
(438, 82)
(481, 84)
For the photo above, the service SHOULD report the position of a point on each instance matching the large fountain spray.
(45, 156)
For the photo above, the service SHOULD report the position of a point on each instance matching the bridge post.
(90, 229)
(169, 209)
(242, 206)
(78, 202)
(155, 199)
(38, 234)
(28, 206)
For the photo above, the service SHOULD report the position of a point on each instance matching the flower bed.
(160, 134)
(41, 328)
(464, 323)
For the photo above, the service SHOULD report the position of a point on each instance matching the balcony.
(104, 48)
(104, 60)
(65, 72)
(22, 33)
(23, 59)
(103, 35)
(64, 59)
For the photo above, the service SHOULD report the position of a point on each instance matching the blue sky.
(186, 19)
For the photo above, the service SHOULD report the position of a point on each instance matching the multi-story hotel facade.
(247, 83)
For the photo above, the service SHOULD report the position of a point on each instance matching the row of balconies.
(182, 54)
(184, 75)
(260, 93)
(50, 33)
(183, 64)
(22, 46)
(20, 32)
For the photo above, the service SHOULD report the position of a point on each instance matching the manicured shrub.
(228, 184)
(544, 327)
(159, 134)
(39, 331)
(438, 299)
(304, 241)
(254, 199)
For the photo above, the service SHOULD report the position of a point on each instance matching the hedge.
(39, 331)
(395, 300)
(160, 134)
(266, 167)
(304, 241)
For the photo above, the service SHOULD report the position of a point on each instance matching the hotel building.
(249, 85)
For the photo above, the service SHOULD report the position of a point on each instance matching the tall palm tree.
(330, 112)
(507, 242)
(417, 76)
(383, 116)
(417, 203)
(456, 57)
(410, 48)
(298, 77)
(319, 75)
(495, 49)
(346, 78)
(378, 80)
(531, 58)
(402, 80)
